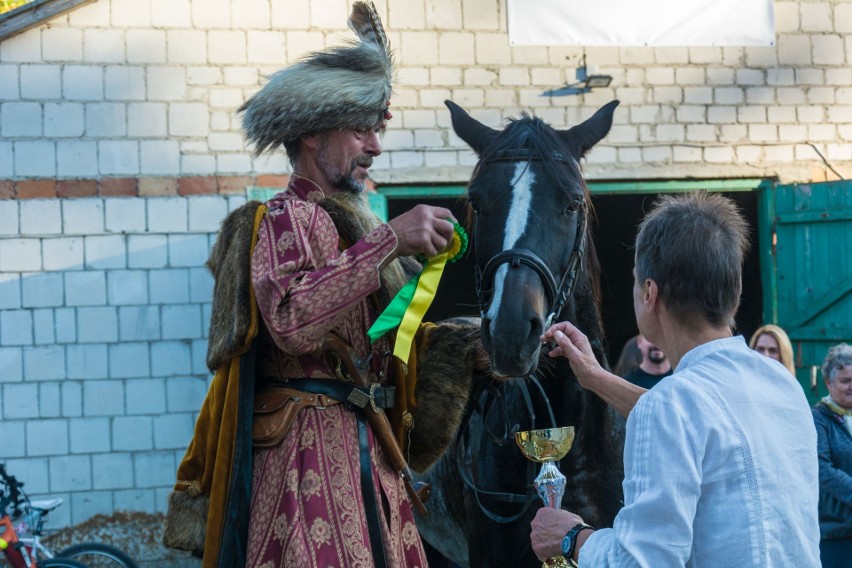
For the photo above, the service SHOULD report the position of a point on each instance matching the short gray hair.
(693, 247)
(838, 357)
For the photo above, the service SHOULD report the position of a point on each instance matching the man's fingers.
(445, 230)
(445, 214)
(440, 243)
(565, 327)
(565, 343)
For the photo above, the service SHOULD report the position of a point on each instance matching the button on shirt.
(720, 469)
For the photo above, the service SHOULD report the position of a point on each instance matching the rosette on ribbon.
(408, 307)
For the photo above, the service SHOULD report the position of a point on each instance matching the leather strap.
(368, 492)
(569, 542)
(375, 396)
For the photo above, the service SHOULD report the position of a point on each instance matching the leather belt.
(376, 396)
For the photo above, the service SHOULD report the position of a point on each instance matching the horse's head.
(530, 212)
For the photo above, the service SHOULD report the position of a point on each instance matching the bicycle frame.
(21, 542)
(14, 550)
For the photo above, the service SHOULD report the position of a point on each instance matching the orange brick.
(158, 186)
(117, 187)
(36, 188)
(7, 189)
(201, 185)
(272, 181)
(234, 184)
(76, 188)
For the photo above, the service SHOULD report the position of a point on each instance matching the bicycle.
(31, 519)
(16, 552)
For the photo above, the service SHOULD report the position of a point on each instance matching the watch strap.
(569, 542)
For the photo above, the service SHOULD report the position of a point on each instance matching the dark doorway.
(617, 218)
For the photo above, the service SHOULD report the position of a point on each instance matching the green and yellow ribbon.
(408, 307)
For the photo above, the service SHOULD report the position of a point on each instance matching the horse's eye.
(474, 204)
(573, 205)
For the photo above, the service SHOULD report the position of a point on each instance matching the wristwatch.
(569, 543)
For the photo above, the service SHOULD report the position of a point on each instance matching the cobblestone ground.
(137, 534)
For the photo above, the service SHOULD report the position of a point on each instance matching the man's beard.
(343, 182)
(656, 356)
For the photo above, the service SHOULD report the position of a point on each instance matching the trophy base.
(557, 562)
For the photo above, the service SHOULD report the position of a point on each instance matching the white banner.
(641, 22)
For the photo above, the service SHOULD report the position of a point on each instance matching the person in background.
(720, 459)
(629, 359)
(653, 368)
(771, 341)
(833, 419)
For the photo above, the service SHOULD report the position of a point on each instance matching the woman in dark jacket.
(833, 418)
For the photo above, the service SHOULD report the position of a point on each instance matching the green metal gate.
(813, 272)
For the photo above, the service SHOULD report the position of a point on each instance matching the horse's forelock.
(533, 134)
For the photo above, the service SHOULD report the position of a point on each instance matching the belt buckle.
(373, 388)
(360, 399)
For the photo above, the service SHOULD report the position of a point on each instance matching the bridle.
(557, 293)
(485, 396)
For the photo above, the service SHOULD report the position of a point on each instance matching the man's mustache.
(364, 162)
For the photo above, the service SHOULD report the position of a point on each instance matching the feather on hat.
(341, 87)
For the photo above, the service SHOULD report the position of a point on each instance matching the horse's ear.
(476, 134)
(582, 137)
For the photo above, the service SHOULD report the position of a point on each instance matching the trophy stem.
(550, 484)
(545, 447)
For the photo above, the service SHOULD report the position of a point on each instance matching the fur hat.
(341, 87)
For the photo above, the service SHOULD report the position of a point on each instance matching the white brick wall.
(104, 307)
(150, 87)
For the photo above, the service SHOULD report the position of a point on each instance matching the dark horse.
(536, 265)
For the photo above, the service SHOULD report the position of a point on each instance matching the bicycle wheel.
(97, 555)
(59, 563)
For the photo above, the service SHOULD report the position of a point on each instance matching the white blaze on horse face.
(516, 224)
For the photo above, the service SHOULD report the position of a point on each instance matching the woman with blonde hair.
(771, 341)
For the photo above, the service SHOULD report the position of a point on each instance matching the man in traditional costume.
(293, 462)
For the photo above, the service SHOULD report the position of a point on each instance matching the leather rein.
(485, 395)
(482, 402)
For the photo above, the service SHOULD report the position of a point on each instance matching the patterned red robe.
(307, 507)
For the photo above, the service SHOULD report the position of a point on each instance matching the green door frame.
(766, 212)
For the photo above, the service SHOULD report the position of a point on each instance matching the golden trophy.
(547, 447)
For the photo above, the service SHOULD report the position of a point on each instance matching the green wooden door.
(813, 261)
